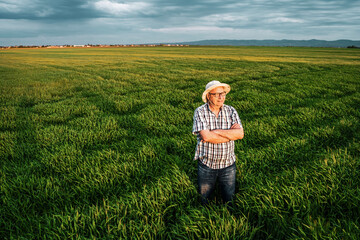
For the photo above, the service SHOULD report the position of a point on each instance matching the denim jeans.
(207, 179)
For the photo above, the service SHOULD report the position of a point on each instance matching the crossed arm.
(221, 135)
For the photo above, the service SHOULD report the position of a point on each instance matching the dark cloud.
(43, 9)
(178, 20)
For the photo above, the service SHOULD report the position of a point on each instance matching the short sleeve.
(199, 122)
(235, 117)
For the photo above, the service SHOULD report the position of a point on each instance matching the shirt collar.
(208, 107)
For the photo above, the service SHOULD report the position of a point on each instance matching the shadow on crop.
(142, 147)
(19, 201)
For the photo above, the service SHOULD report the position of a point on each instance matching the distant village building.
(98, 45)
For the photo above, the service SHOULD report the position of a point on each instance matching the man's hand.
(235, 126)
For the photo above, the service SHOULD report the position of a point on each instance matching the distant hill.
(283, 43)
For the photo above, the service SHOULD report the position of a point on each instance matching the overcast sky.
(42, 22)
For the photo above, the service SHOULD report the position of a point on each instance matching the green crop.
(96, 143)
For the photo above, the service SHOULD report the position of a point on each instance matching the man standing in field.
(217, 126)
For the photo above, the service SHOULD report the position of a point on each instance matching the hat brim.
(224, 85)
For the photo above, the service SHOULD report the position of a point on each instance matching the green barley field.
(96, 143)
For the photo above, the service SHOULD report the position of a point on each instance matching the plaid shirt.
(213, 155)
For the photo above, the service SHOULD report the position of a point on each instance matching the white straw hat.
(214, 84)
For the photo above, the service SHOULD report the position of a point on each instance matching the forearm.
(212, 137)
(215, 138)
(231, 134)
(222, 135)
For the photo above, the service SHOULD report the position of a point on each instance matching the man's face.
(217, 96)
